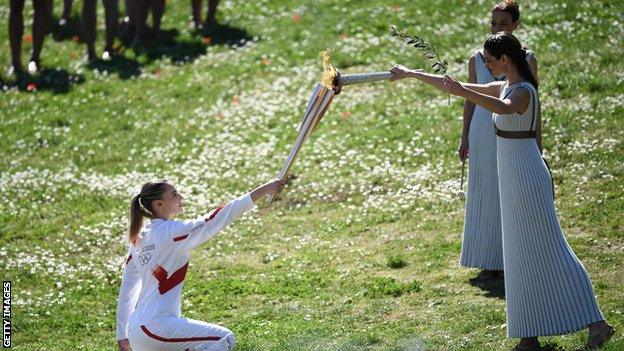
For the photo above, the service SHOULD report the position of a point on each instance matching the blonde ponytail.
(141, 206)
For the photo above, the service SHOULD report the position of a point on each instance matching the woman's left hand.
(453, 86)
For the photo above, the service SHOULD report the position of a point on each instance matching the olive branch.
(428, 50)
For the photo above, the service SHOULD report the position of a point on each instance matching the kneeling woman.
(548, 291)
(156, 267)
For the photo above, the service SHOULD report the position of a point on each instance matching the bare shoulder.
(472, 63)
(520, 98)
(471, 59)
(474, 55)
(521, 91)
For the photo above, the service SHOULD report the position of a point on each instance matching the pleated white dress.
(547, 289)
(482, 245)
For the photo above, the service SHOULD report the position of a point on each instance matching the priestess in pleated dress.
(482, 241)
(548, 292)
(547, 289)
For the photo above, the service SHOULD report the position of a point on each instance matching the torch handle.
(348, 79)
(319, 101)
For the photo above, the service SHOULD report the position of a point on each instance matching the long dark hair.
(141, 206)
(503, 43)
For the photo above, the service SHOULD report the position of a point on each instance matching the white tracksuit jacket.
(155, 269)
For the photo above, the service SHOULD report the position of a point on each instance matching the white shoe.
(32, 67)
(12, 71)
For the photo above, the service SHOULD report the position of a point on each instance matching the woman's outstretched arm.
(484, 95)
(401, 72)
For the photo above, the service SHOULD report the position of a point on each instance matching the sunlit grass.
(361, 250)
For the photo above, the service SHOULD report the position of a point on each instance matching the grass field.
(361, 252)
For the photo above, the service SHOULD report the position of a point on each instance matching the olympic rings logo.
(145, 258)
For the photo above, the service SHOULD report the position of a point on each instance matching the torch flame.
(329, 72)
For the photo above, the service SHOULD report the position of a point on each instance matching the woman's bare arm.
(538, 117)
(401, 72)
(469, 108)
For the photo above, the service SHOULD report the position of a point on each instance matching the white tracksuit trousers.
(181, 334)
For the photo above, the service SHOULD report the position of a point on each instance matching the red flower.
(31, 87)
(346, 114)
(27, 38)
(207, 40)
(296, 17)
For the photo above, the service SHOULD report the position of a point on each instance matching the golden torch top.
(334, 80)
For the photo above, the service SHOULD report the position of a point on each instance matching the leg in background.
(16, 32)
(67, 7)
(39, 29)
(139, 10)
(111, 10)
(196, 12)
(88, 26)
(212, 11)
(158, 9)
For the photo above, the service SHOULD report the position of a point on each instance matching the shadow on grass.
(554, 347)
(223, 34)
(493, 287)
(71, 30)
(59, 81)
(124, 67)
(167, 45)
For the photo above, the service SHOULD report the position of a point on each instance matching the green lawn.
(361, 252)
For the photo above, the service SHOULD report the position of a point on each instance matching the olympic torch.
(341, 80)
(322, 96)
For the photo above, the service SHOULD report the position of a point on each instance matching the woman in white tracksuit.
(547, 289)
(148, 312)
